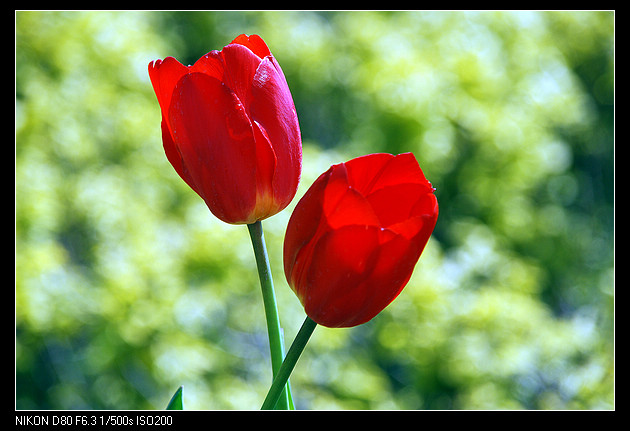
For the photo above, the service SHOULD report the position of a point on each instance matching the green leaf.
(177, 402)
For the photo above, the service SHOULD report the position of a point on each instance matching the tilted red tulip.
(354, 238)
(230, 129)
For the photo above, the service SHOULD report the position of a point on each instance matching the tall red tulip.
(354, 238)
(230, 129)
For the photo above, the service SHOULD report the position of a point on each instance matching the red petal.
(240, 67)
(272, 107)
(364, 171)
(216, 140)
(340, 262)
(350, 295)
(164, 75)
(351, 209)
(402, 169)
(375, 171)
(409, 228)
(302, 230)
(336, 187)
(211, 64)
(428, 205)
(265, 159)
(174, 157)
(394, 204)
(344, 205)
(394, 265)
(266, 204)
(254, 43)
(419, 226)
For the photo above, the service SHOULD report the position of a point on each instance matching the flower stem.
(274, 331)
(296, 349)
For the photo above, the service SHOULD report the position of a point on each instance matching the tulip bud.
(230, 129)
(355, 237)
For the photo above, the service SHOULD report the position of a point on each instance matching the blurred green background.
(127, 286)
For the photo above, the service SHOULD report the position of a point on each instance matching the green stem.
(288, 364)
(276, 344)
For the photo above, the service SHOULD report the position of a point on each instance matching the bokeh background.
(127, 287)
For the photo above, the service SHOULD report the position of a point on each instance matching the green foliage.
(177, 402)
(127, 286)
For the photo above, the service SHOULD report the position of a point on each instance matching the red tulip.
(230, 129)
(354, 238)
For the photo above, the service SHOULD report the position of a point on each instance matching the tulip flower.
(355, 237)
(230, 129)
